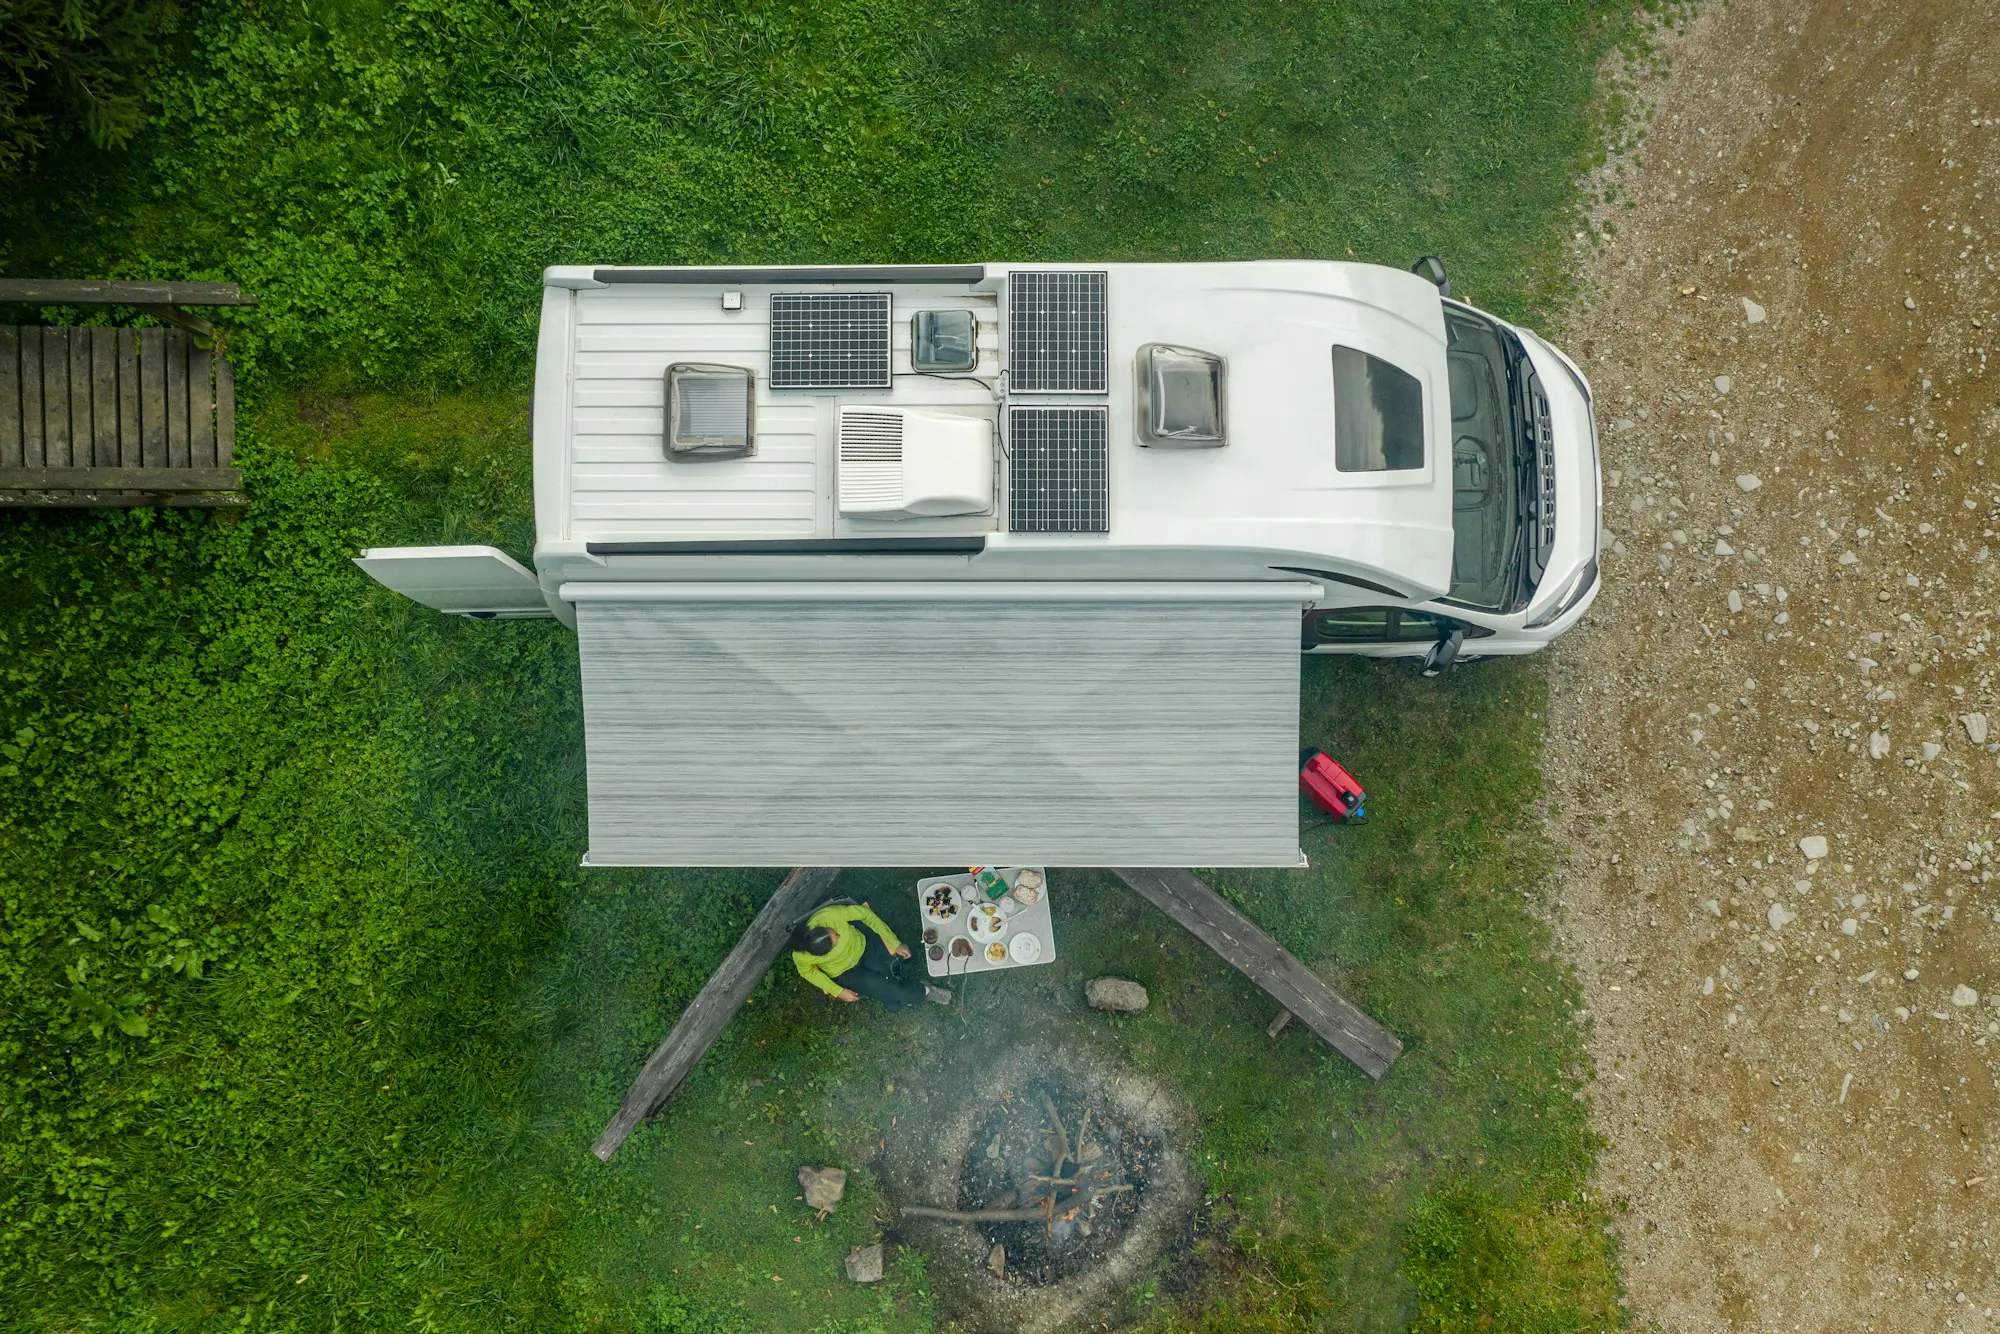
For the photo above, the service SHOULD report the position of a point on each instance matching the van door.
(461, 581)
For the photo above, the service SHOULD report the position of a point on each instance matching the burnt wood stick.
(1250, 950)
(974, 1215)
(1062, 1136)
(716, 1004)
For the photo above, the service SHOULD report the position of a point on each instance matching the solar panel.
(1056, 333)
(1057, 478)
(830, 340)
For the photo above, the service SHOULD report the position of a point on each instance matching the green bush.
(75, 64)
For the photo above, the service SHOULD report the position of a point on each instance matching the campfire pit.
(1056, 1192)
(1050, 1187)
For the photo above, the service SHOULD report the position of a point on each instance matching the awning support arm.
(716, 1004)
(1251, 951)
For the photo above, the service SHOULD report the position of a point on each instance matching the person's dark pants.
(879, 977)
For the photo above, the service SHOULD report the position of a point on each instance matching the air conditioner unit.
(898, 464)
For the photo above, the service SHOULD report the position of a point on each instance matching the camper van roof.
(1272, 495)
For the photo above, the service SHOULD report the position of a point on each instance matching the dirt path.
(1799, 613)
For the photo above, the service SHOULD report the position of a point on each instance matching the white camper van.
(1011, 563)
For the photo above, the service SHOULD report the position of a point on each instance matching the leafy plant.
(75, 63)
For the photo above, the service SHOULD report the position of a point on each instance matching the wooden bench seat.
(108, 417)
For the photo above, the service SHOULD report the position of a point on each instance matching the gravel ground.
(1769, 754)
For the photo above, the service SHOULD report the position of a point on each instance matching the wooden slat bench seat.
(115, 417)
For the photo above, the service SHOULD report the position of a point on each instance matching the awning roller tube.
(968, 590)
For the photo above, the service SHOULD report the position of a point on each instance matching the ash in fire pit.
(1053, 1179)
(1049, 1188)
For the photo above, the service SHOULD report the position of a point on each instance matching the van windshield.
(1484, 466)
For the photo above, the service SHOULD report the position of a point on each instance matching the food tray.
(1032, 918)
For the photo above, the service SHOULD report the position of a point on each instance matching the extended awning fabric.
(925, 732)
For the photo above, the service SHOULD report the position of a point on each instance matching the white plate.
(1024, 948)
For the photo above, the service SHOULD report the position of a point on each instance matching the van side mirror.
(1443, 653)
(1431, 267)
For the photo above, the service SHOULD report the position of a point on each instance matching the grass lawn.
(307, 1013)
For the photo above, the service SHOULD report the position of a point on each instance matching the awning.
(904, 725)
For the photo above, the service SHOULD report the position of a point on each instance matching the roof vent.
(708, 411)
(907, 465)
(1180, 398)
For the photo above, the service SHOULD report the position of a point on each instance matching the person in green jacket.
(836, 952)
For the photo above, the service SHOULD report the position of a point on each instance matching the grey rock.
(1723, 548)
(996, 1260)
(1780, 916)
(1962, 996)
(1115, 994)
(1813, 846)
(1748, 482)
(1723, 384)
(864, 1264)
(823, 1186)
(1878, 746)
(1752, 312)
(1735, 601)
(1975, 727)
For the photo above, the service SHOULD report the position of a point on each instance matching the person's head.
(813, 939)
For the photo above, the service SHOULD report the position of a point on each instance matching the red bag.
(1330, 787)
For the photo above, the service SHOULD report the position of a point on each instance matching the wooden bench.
(111, 417)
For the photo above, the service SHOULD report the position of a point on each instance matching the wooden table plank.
(34, 430)
(10, 396)
(72, 292)
(201, 409)
(128, 399)
(1251, 951)
(177, 398)
(104, 397)
(225, 412)
(153, 398)
(69, 498)
(134, 479)
(717, 1003)
(55, 397)
(82, 434)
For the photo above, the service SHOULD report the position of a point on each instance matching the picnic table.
(1017, 920)
(115, 417)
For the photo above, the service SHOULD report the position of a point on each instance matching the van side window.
(1351, 625)
(1419, 627)
(1378, 625)
(1378, 415)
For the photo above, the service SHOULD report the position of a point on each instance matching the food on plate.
(941, 903)
(930, 935)
(937, 952)
(996, 953)
(961, 948)
(1029, 879)
(1026, 894)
